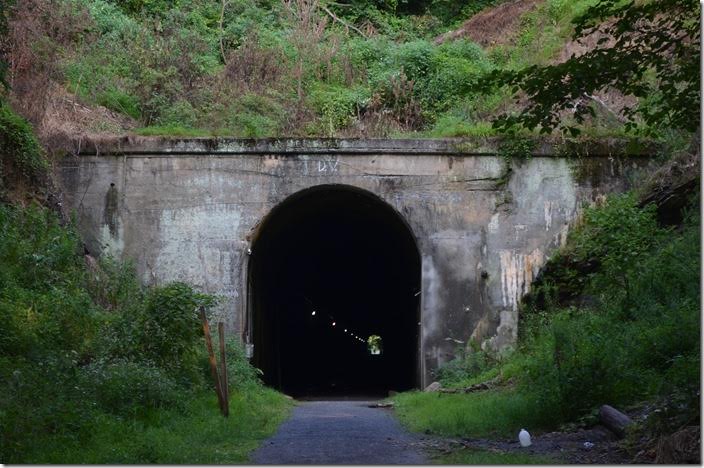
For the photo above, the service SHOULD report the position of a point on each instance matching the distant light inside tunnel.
(374, 343)
(333, 324)
(312, 313)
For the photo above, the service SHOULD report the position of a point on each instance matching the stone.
(433, 387)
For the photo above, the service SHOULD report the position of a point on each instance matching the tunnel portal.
(331, 267)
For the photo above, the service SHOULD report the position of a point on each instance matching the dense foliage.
(85, 349)
(301, 68)
(649, 50)
(22, 155)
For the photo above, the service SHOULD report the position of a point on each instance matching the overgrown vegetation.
(633, 337)
(92, 360)
(260, 68)
(97, 369)
(649, 50)
(23, 157)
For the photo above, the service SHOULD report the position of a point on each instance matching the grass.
(484, 414)
(197, 434)
(469, 456)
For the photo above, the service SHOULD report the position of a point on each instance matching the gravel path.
(340, 432)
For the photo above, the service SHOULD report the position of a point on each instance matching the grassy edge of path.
(194, 435)
(493, 414)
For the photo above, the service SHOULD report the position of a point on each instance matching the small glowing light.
(312, 313)
(333, 324)
(345, 330)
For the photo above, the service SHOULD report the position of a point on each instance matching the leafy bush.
(162, 331)
(77, 343)
(461, 370)
(630, 344)
(241, 373)
(254, 116)
(126, 388)
(18, 145)
(337, 106)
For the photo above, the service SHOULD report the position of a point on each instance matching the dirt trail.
(340, 432)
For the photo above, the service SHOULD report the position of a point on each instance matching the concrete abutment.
(194, 209)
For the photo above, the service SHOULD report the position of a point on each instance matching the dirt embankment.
(493, 26)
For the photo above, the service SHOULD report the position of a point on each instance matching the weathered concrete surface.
(189, 210)
(337, 433)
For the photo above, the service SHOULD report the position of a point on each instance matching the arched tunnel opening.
(334, 296)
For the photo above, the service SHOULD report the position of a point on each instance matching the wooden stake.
(211, 359)
(223, 369)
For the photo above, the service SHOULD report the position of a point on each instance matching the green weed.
(484, 414)
(179, 73)
(175, 130)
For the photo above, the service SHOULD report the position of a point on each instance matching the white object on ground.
(524, 438)
(588, 445)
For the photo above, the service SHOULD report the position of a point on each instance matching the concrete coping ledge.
(490, 146)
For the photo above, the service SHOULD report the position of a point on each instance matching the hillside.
(259, 68)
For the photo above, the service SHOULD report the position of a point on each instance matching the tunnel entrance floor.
(332, 266)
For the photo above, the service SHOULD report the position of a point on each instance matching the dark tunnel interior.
(347, 256)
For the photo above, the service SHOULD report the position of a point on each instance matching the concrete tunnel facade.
(460, 232)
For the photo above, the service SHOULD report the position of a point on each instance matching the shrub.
(126, 388)
(241, 373)
(254, 116)
(18, 146)
(337, 106)
(180, 113)
(630, 344)
(461, 370)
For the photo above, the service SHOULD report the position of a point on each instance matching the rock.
(433, 387)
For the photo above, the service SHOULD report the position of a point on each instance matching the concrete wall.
(188, 210)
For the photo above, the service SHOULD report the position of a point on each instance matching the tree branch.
(341, 21)
(223, 4)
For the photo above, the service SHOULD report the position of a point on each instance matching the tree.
(647, 49)
(4, 43)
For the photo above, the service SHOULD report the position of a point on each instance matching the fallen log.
(614, 420)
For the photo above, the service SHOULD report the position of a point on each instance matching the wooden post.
(223, 369)
(211, 358)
